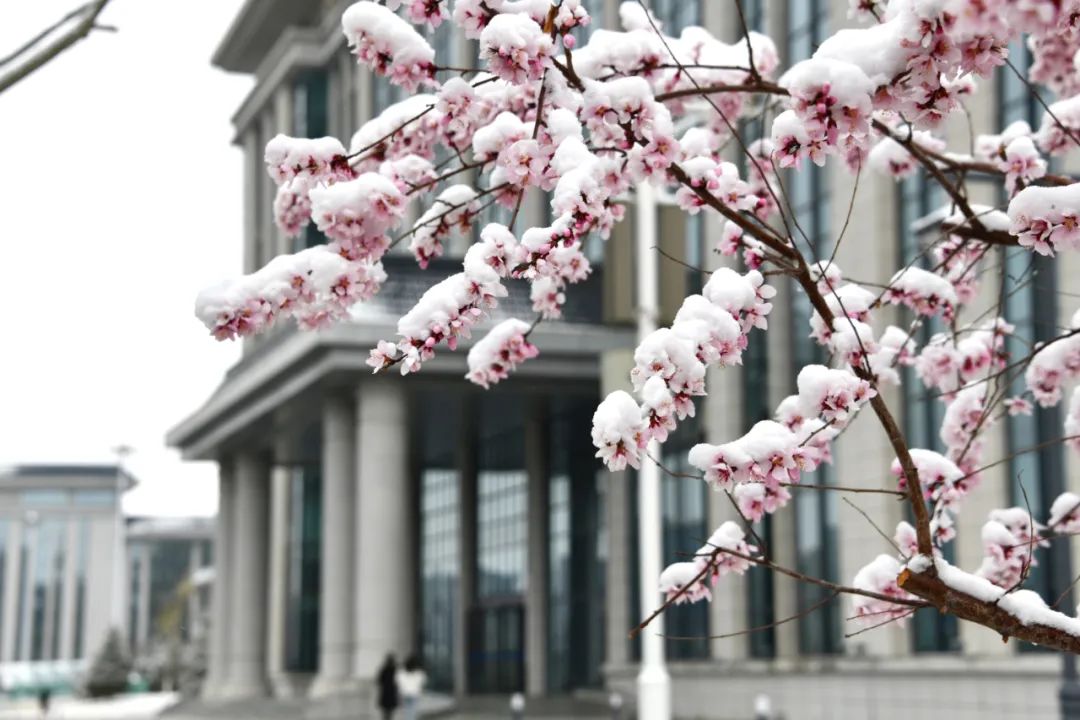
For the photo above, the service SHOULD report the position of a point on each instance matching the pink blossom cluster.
(834, 395)
(769, 454)
(619, 431)
(959, 259)
(1009, 539)
(1065, 514)
(1053, 363)
(315, 286)
(1013, 152)
(938, 476)
(720, 180)
(846, 301)
(1053, 47)
(670, 363)
(1046, 219)
(409, 172)
(310, 159)
(550, 258)
(453, 210)
(430, 12)
(691, 581)
(622, 112)
(499, 352)
(830, 111)
(891, 158)
(948, 362)
(388, 44)
(446, 312)
(1061, 125)
(292, 206)
(409, 127)
(356, 214)
(926, 293)
(880, 576)
(515, 47)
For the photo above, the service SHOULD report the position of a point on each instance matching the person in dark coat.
(388, 688)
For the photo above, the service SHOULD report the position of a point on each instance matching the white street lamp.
(653, 681)
(116, 616)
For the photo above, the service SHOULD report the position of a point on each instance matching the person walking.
(388, 687)
(411, 681)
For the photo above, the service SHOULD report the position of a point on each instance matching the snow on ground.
(126, 707)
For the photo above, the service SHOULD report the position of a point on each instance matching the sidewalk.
(143, 706)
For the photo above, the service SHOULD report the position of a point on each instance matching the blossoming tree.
(587, 123)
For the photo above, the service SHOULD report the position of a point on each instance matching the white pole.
(653, 682)
(119, 570)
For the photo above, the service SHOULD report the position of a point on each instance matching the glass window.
(48, 574)
(676, 15)
(21, 624)
(44, 497)
(759, 587)
(311, 111)
(496, 625)
(815, 512)
(135, 591)
(917, 196)
(302, 590)
(82, 550)
(754, 13)
(685, 529)
(439, 500)
(93, 498)
(597, 20)
(1030, 283)
(577, 549)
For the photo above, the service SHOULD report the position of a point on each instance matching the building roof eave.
(259, 385)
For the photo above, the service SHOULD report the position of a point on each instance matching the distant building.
(58, 586)
(166, 558)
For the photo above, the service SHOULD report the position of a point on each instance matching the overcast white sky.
(120, 197)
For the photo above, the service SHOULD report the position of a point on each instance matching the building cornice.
(296, 48)
(300, 361)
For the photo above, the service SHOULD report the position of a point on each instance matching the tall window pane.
(577, 557)
(815, 512)
(439, 569)
(685, 529)
(302, 590)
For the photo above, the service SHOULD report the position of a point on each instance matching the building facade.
(364, 515)
(59, 528)
(166, 557)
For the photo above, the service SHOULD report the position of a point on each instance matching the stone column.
(280, 477)
(536, 589)
(247, 596)
(336, 577)
(617, 606)
(218, 642)
(10, 599)
(385, 559)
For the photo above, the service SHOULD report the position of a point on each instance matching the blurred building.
(58, 540)
(166, 558)
(362, 515)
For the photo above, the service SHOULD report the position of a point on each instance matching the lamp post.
(653, 681)
(116, 616)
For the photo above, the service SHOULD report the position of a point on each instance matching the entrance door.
(497, 648)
